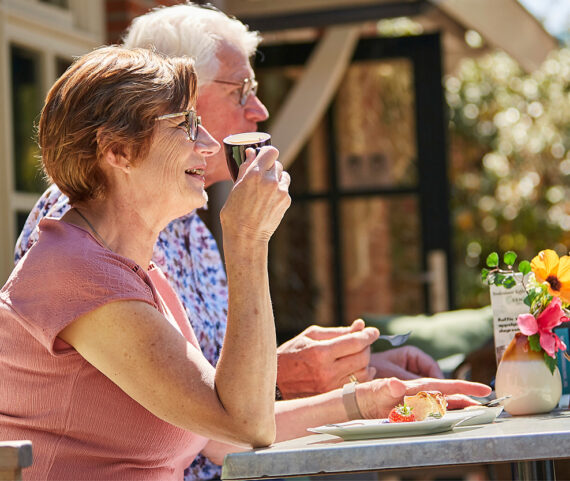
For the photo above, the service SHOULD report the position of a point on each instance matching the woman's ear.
(116, 156)
(113, 153)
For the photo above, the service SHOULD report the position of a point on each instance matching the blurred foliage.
(510, 163)
(398, 27)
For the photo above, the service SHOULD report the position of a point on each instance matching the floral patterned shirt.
(188, 255)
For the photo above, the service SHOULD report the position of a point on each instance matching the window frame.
(53, 33)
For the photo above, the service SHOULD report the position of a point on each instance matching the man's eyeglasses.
(248, 87)
(191, 122)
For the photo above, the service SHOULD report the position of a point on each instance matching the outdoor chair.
(14, 455)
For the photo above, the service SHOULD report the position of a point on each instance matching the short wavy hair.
(192, 30)
(108, 99)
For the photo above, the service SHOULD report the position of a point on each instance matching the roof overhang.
(505, 25)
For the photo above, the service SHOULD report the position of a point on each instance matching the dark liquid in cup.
(236, 145)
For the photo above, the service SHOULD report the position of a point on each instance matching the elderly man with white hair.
(319, 360)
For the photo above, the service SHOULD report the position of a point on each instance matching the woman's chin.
(192, 204)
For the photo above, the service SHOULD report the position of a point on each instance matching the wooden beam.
(505, 25)
(331, 15)
(311, 95)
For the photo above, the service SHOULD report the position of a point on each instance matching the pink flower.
(547, 320)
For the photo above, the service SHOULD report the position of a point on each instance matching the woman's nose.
(206, 144)
(255, 111)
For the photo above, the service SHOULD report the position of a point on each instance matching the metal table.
(532, 442)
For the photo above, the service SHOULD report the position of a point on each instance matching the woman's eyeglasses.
(248, 87)
(191, 122)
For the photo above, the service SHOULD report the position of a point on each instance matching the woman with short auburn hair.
(99, 365)
(109, 101)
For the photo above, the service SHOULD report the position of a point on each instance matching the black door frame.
(424, 52)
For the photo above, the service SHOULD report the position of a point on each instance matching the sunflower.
(547, 267)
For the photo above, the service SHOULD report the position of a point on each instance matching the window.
(369, 189)
(26, 105)
(40, 38)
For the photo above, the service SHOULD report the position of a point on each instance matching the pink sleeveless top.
(82, 426)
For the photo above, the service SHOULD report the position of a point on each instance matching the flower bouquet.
(547, 296)
(528, 368)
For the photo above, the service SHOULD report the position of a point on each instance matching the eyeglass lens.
(192, 123)
(249, 88)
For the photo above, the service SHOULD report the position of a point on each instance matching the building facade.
(357, 113)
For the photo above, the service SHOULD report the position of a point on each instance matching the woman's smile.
(198, 173)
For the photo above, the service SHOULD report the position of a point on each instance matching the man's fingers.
(362, 375)
(355, 363)
(389, 369)
(433, 371)
(423, 364)
(357, 325)
(352, 342)
(318, 333)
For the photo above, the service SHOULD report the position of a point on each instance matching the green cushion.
(440, 335)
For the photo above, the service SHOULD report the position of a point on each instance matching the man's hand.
(407, 362)
(323, 358)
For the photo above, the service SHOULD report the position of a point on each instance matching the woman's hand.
(247, 369)
(376, 398)
(259, 198)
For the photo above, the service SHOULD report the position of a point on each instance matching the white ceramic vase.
(524, 375)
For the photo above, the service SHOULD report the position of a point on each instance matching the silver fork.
(395, 339)
(496, 402)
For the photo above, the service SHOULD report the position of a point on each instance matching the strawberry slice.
(401, 414)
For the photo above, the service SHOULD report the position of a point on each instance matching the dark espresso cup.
(235, 146)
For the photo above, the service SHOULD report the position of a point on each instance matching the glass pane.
(381, 256)
(26, 100)
(375, 125)
(308, 171)
(300, 269)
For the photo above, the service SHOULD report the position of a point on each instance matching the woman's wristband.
(349, 401)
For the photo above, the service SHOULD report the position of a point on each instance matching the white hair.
(194, 31)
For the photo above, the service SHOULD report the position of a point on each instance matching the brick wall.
(121, 12)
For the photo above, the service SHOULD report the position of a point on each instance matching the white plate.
(381, 428)
(482, 415)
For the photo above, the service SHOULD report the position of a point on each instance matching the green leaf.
(532, 296)
(484, 274)
(527, 300)
(550, 362)
(499, 278)
(509, 258)
(493, 260)
(534, 343)
(509, 282)
(524, 267)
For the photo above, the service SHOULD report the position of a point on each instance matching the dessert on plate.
(420, 406)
